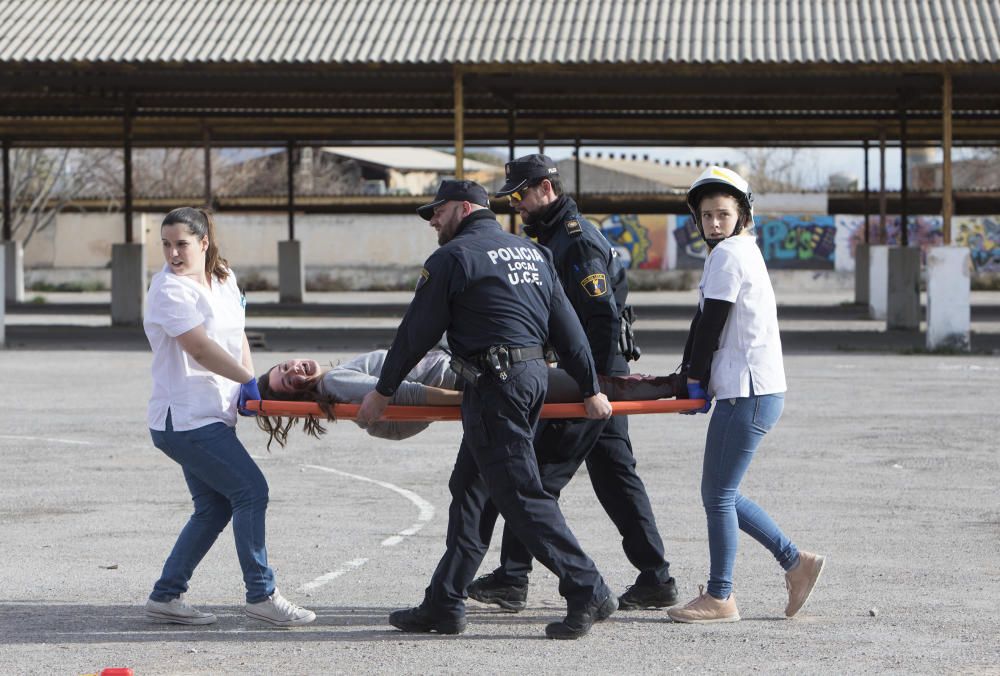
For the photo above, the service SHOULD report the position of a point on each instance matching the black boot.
(421, 620)
(488, 589)
(579, 621)
(640, 596)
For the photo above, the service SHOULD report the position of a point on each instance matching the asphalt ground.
(887, 463)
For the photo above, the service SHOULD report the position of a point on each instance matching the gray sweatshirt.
(349, 382)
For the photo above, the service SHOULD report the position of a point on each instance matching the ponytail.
(215, 264)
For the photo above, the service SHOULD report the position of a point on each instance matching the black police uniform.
(489, 288)
(597, 286)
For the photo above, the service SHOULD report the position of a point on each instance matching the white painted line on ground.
(425, 514)
(334, 574)
(55, 439)
(176, 632)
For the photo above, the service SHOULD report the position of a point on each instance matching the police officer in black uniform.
(498, 298)
(595, 282)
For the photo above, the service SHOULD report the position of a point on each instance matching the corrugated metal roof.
(501, 31)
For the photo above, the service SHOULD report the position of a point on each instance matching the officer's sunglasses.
(518, 195)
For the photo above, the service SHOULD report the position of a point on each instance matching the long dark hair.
(201, 225)
(277, 427)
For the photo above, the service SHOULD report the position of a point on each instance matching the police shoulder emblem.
(573, 227)
(595, 285)
(422, 279)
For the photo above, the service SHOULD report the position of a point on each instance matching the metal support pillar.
(128, 260)
(459, 126)
(128, 175)
(207, 143)
(511, 136)
(904, 226)
(947, 203)
(7, 220)
(290, 151)
(862, 259)
(576, 169)
(291, 265)
(882, 199)
(867, 208)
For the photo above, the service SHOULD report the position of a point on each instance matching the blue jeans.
(225, 483)
(735, 431)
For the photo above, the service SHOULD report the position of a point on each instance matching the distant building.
(612, 173)
(408, 171)
(966, 175)
(353, 170)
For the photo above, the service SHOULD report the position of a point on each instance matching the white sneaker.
(176, 611)
(279, 611)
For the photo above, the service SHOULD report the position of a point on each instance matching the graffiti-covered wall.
(641, 240)
(923, 231)
(982, 235)
(787, 242)
(822, 242)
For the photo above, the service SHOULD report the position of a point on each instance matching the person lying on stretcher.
(430, 383)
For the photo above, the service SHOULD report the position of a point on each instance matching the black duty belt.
(496, 360)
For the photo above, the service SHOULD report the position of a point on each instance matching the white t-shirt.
(750, 346)
(194, 395)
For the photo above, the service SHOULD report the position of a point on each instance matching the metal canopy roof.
(500, 31)
(614, 71)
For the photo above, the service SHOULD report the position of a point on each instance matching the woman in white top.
(195, 326)
(733, 354)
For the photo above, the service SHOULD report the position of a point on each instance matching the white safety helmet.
(716, 178)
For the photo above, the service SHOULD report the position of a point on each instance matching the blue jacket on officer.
(588, 266)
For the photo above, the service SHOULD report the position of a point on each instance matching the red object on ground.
(299, 409)
(116, 671)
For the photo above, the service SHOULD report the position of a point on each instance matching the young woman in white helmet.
(733, 354)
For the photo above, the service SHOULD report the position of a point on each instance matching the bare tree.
(779, 169)
(168, 172)
(47, 181)
(44, 181)
(316, 173)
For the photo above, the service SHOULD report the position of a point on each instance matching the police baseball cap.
(527, 170)
(455, 191)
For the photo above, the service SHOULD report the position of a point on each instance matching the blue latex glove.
(248, 391)
(696, 391)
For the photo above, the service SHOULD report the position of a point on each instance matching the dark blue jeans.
(735, 431)
(225, 483)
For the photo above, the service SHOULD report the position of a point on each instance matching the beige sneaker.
(706, 609)
(801, 579)
(176, 611)
(279, 611)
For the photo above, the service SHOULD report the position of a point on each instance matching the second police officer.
(498, 298)
(595, 282)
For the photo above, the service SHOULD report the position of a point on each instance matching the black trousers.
(497, 466)
(562, 446)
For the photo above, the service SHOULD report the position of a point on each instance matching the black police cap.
(524, 170)
(455, 191)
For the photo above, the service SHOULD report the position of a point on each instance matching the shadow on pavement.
(29, 622)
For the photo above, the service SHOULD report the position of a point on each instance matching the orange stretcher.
(299, 409)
